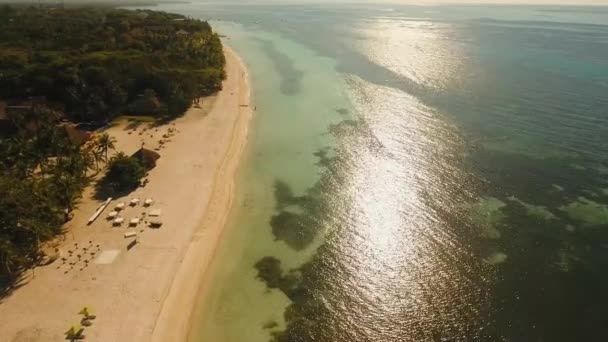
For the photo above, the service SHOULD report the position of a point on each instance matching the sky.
(421, 2)
(529, 2)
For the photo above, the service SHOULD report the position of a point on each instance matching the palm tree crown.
(105, 143)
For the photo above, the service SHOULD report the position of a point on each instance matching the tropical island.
(95, 103)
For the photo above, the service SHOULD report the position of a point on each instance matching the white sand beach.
(147, 292)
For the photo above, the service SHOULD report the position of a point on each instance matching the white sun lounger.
(154, 213)
(130, 234)
(155, 223)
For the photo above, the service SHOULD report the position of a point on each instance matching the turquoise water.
(417, 174)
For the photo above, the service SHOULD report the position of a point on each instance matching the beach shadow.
(10, 283)
(132, 124)
(104, 189)
(108, 126)
(164, 120)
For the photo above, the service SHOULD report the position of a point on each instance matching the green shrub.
(124, 173)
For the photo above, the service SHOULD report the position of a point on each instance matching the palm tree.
(69, 177)
(105, 143)
(92, 153)
(97, 157)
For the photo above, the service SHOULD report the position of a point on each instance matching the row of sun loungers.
(154, 214)
(133, 203)
(153, 222)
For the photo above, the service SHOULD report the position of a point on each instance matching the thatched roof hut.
(77, 136)
(147, 157)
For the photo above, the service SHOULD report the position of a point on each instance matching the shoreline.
(173, 324)
(145, 292)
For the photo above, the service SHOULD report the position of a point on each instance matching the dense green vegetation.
(42, 176)
(124, 173)
(98, 63)
(85, 65)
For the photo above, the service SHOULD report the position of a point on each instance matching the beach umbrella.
(74, 332)
(86, 312)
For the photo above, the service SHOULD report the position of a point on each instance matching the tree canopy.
(95, 62)
(42, 174)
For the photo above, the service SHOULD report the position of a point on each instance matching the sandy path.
(147, 292)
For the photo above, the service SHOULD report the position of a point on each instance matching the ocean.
(416, 173)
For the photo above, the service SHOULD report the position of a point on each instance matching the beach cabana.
(120, 206)
(147, 158)
(134, 202)
(118, 221)
(112, 215)
(134, 221)
(148, 202)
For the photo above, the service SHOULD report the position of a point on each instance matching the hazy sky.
(531, 2)
(570, 2)
(421, 2)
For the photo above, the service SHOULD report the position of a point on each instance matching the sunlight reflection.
(403, 251)
(420, 50)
